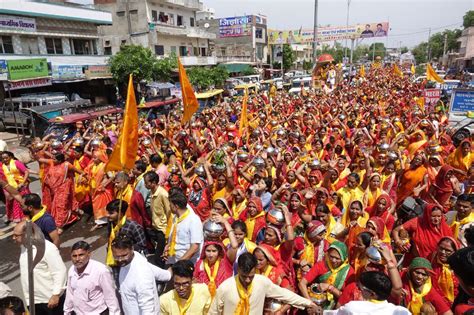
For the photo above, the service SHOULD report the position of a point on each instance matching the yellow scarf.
(446, 283)
(417, 298)
(37, 216)
(212, 276)
(250, 222)
(334, 272)
(329, 227)
(243, 308)
(184, 309)
(172, 250)
(238, 208)
(12, 174)
(110, 257)
(268, 269)
(125, 194)
(456, 225)
(219, 194)
(138, 179)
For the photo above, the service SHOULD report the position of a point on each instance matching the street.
(9, 268)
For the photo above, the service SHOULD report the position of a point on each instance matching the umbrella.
(324, 58)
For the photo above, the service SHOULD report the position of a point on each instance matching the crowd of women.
(320, 187)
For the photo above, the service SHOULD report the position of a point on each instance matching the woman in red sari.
(16, 175)
(58, 194)
(254, 218)
(315, 247)
(199, 199)
(425, 232)
(443, 188)
(381, 209)
(443, 276)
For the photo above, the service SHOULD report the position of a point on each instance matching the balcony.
(225, 59)
(189, 4)
(200, 33)
(198, 61)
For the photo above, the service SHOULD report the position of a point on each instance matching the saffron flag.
(412, 69)
(244, 122)
(362, 71)
(397, 70)
(125, 151)
(190, 102)
(431, 75)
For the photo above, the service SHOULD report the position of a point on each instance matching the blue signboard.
(3, 70)
(462, 100)
(68, 72)
(448, 86)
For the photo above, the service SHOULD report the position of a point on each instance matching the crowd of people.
(349, 201)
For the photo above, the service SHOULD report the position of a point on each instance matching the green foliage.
(379, 50)
(437, 45)
(336, 51)
(132, 59)
(404, 50)
(468, 19)
(420, 52)
(420, 70)
(276, 65)
(289, 57)
(203, 78)
(249, 71)
(307, 65)
(164, 67)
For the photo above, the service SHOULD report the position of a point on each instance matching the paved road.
(10, 252)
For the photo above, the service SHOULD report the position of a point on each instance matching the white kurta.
(370, 308)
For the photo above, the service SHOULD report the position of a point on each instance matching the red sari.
(441, 190)
(384, 214)
(256, 223)
(200, 200)
(58, 193)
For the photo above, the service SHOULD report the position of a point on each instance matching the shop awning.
(236, 67)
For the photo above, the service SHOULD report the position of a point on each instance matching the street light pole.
(315, 31)
(347, 26)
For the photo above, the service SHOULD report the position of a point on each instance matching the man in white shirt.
(376, 288)
(186, 235)
(136, 279)
(90, 288)
(246, 292)
(49, 274)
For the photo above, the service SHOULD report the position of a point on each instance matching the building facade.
(239, 39)
(465, 59)
(164, 26)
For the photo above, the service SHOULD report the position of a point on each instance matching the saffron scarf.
(176, 221)
(212, 276)
(416, 301)
(243, 307)
(456, 225)
(184, 309)
(13, 175)
(37, 216)
(113, 233)
(445, 281)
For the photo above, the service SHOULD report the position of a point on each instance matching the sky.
(409, 20)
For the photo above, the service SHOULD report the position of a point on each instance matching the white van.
(296, 85)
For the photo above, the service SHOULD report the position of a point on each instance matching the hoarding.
(235, 26)
(98, 72)
(28, 84)
(22, 69)
(330, 33)
(17, 23)
(68, 72)
(432, 97)
(462, 100)
(3, 70)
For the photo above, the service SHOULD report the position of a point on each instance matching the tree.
(404, 50)
(164, 67)
(420, 52)
(468, 19)
(219, 74)
(289, 57)
(437, 45)
(204, 78)
(249, 71)
(307, 65)
(132, 59)
(378, 51)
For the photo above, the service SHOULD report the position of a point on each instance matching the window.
(123, 42)
(6, 45)
(259, 33)
(120, 13)
(171, 19)
(84, 47)
(159, 50)
(173, 49)
(191, 22)
(223, 51)
(107, 43)
(154, 15)
(163, 18)
(29, 45)
(54, 46)
(133, 11)
(195, 51)
(203, 51)
(182, 51)
(180, 20)
(108, 51)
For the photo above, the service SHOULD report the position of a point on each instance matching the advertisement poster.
(235, 26)
(432, 97)
(17, 23)
(3, 70)
(68, 72)
(27, 84)
(98, 72)
(325, 34)
(22, 69)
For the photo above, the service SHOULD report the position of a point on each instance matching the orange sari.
(408, 181)
(101, 196)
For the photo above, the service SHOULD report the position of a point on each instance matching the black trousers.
(42, 308)
(158, 240)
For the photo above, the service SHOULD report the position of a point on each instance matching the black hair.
(356, 176)
(469, 235)
(140, 165)
(32, 200)
(378, 282)
(12, 303)
(179, 199)
(107, 141)
(322, 207)
(122, 241)
(246, 262)
(152, 177)
(155, 159)
(239, 224)
(462, 263)
(268, 182)
(466, 197)
(81, 245)
(60, 157)
(10, 154)
(114, 206)
(366, 238)
(183, 268)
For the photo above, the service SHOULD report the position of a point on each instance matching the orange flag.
(431, 75)
(190, 102)
(125, 152)
(243, 122)
(397, 70)
(362, 71)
